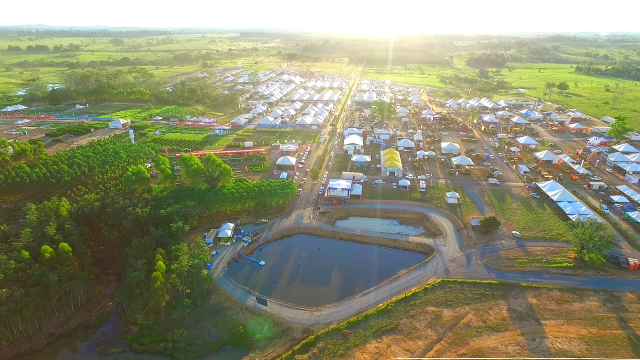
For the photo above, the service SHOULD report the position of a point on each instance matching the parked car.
(410, 176)
(444, 133)
(516, 234)
(393, 185)
(373, 184)
(379, 181)
(609, 170)
(486, 164)
(535, 195)
(604, 208)
(497, 173)
(595, 178)
(485, 147)
(492, 157)
(299, 191)
(499, 154)
(321, 191)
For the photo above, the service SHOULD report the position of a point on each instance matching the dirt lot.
(461, 319)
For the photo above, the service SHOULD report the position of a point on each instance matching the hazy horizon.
(355, 17)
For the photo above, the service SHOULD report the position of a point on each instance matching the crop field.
(166, 112)
(534, 218)
(486, 319)
(268, 136)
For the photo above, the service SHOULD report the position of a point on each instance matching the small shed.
(452, 197)
(286, 163)
(119, 124)
(523, 170)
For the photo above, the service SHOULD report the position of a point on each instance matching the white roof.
(449, 146)
(625, 148)
(518, 120)
(421, 153)
(405, 143)
(618, 157)
(633, 157)
(428, 112)
(619, 199)
(462, 161)
(584, 217)
(634, 214)
(523, 168)
(430, 153)
(226, 230)
(580, 170)
(339, 184)
(403, 182)
(453, 195)
(566, 158)
(549, 186)
(361, 158)
(353, 140)
(546, 156)
(608, 120)
(526, 140)
(356, 189)
(577, 126)
(630, 167)
(561, 195)
(489, 118)
(286, 160)
(567, 208)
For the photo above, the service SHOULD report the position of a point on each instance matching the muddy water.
(388, 226)
(83, 344)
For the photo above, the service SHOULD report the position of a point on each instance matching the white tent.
(519, 120)
(562, 195)
(635, 158)
(549, 186)
(353, 140)
(462, 161)
(608, 120)
(580, 170)
(405, 143)
(226, 230)
(430, 153)
(452, 197)
(617, 158)
(361, 158)
(567, 208)
(625, 148)
(404, 182)
(428, 112)
(619, 199)
(450, 148)
(546, 156)
(356, 189)
(489, 119)
(527, 140)
(286, 161)
(629, 167)
(566, 158)
(421, 154)
(577, 127)
(584, 217)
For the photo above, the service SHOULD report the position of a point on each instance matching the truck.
(502, 136)
(494, 181)
(598, 185)
(354, 176)
(423, 186)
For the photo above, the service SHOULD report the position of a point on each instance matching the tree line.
(619, 70)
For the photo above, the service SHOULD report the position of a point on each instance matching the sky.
(380, 18)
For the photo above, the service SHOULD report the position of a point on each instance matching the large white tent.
(549, 186)
(561, 195)
(353, 140)
(625, 148)
(619, 199)
(528, 141)
(405, 143)
(546, 156)
(450, 148)
(461, 161)
(518, 120)
(618, 158)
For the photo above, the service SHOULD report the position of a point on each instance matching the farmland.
(486, 319)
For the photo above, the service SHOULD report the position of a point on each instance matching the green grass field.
(533, 218)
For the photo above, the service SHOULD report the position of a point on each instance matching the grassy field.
(486, 319)
(533, 218)
(533, 257)
(435, 195)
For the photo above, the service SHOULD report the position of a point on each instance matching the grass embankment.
(533, 218)
(532, 257)
(485, 319)
(435, 195)
(411, 218)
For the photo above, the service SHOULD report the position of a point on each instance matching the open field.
(487, 319)
(534, 218)
(434, 195)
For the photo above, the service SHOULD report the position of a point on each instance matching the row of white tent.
(334, 83)
(261, 76)
(574, 209)
(14, 108)
(310, 95)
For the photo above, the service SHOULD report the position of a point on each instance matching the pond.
(313, 271)
(387, 226)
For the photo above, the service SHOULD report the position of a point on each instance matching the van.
(364, 178)
(494, 181)
(604, 208)
(423, 186)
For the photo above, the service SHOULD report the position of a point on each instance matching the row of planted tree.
(52, 252)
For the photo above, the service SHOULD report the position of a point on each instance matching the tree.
(165, 171)
(314, 173)
(591, 239)
(191, 169)
(619, 128)
(490, 223)
(54, 99)
(382, 109)
(549, 86)
(216, 173)
(563, 86)
(136, 178)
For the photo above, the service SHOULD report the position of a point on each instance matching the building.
(339, 188)
(226, 232)
(391, 163)
(289, 149)
(119, 124)
(222, 130)
(452, 197)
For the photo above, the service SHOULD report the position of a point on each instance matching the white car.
(486, 164)
(424, 177)
(492, 157)
(499, 154)
(535, 195)
(321, 191)
(379, 181)
(497, 173)
(324, 181)
(410, 176)
(609, 170)
(485, 147)
(538, 139)
(551, 143)
(393, 185)
(516, 234)
(595, 178)
(444, 133)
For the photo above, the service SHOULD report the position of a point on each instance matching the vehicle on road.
(535, 195)
(516, 234)
(424, 177)
(485, 147)
(321, 191)
(379, 181)
(299, 191)
(423, 186)
(497, 173)
(494, 181)
(604, 208)
(262, 221)
(595, 178)
(444, 133)
(486, 164)
(373, 184)
(609, 170)
(500, 155)
(492, 157)
(410, 176)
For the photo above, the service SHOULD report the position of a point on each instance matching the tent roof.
(361, 158)
(619, 199)
(566, 158)
(526, 140)
(577, 126)
(226, 230)
(453, 195)
(561, 195)
(405, 143)
(625, 148)
(523, 167)
(450, 146)
(353, 139)
(462, 161)
(630, 167)
(356, 189)
(546, 156)
(404, 182)
(286, 160)
(421, 152)
(634, 215)
(618, 157)
(567, 208)
(431, 153)
(580, 170)
(549, 186)
(518, 120)
(339, 184)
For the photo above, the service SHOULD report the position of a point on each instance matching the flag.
(246, 168)
(566, 152)
(166, 151)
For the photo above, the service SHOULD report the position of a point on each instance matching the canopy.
(634, 215)
(619, 199)
(461, 161)
(580, 170)
(625, 148)
(629, 167)
(523, 168)
(549, 186)
(526, 140)
(489, 118)
(391, 158)
(431, 153)
(361, 158)
(14, 108)
(356, 189)
(226, 230)
(453, 195)
(450, 148)
(404, 143)
(353, 140)
(518, 120)
(546, 156)
(421, 153)
(514, 149)
(618, 157)
(566, 158)
(561, 195)
(584, 217)
(567, 208)
(577, 126)
(339, 184)
(286, 160)
(403, 182)
(428, 112)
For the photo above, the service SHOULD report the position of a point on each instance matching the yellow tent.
(391, 158)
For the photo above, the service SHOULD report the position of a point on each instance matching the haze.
(362, 17)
